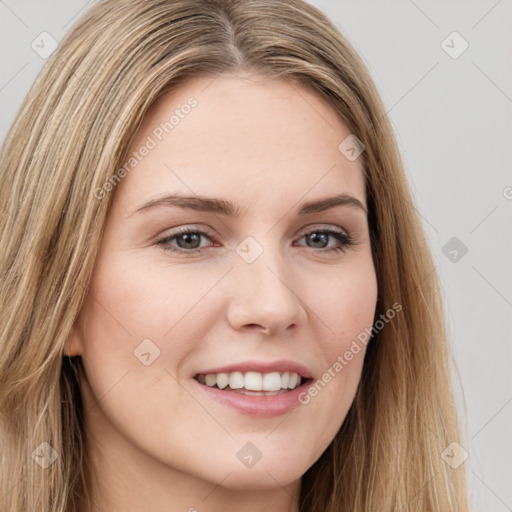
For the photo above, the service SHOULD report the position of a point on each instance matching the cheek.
(139, 323)
(136, 329)
(345, 304)
(346, 307)
(132, 300)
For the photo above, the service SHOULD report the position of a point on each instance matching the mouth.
(260, 389)
(253, 383)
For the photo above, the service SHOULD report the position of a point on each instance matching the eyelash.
(345, 239)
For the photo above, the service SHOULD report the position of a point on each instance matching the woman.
(216, 291)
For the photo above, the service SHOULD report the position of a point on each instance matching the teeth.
(210, 380)
(236, 380)
(293, 381)
(222, 380)
(272, 381)
(252, 381)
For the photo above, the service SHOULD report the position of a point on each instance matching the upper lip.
(281, 366)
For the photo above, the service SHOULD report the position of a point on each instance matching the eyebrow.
(224, 207)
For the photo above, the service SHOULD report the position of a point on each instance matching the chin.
(260, 478)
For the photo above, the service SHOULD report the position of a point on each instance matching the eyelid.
(322, 227)
(185, 228)
(209, 232)
(344, 238)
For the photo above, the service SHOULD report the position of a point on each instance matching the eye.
(188, 240)
(320, 237)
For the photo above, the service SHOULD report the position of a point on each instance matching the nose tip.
(264, 298)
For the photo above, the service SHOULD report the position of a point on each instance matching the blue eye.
(322, 235)
(188, 240)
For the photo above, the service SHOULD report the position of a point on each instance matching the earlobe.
(72, 346)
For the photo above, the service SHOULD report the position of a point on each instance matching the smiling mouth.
(253, 383)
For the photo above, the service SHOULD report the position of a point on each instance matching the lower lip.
(258, 406)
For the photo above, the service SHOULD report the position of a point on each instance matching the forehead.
(226, 135)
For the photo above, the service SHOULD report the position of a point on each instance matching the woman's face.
(263, 287)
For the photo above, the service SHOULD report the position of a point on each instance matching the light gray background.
(452, 117)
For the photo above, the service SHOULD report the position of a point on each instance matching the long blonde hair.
(70, 137)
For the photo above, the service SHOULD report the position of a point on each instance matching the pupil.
(189, 238)
(315, 237)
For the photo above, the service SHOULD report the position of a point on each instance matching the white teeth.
(293, 381)
(210, 379)
(222, 380)
(272, 381)
(252, 381)
(236, 380)
(253, 393)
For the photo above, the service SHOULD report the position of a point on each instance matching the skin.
(156, 440)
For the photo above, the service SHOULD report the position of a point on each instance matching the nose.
(264, 295)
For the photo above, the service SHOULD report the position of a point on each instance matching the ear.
(73, 345)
